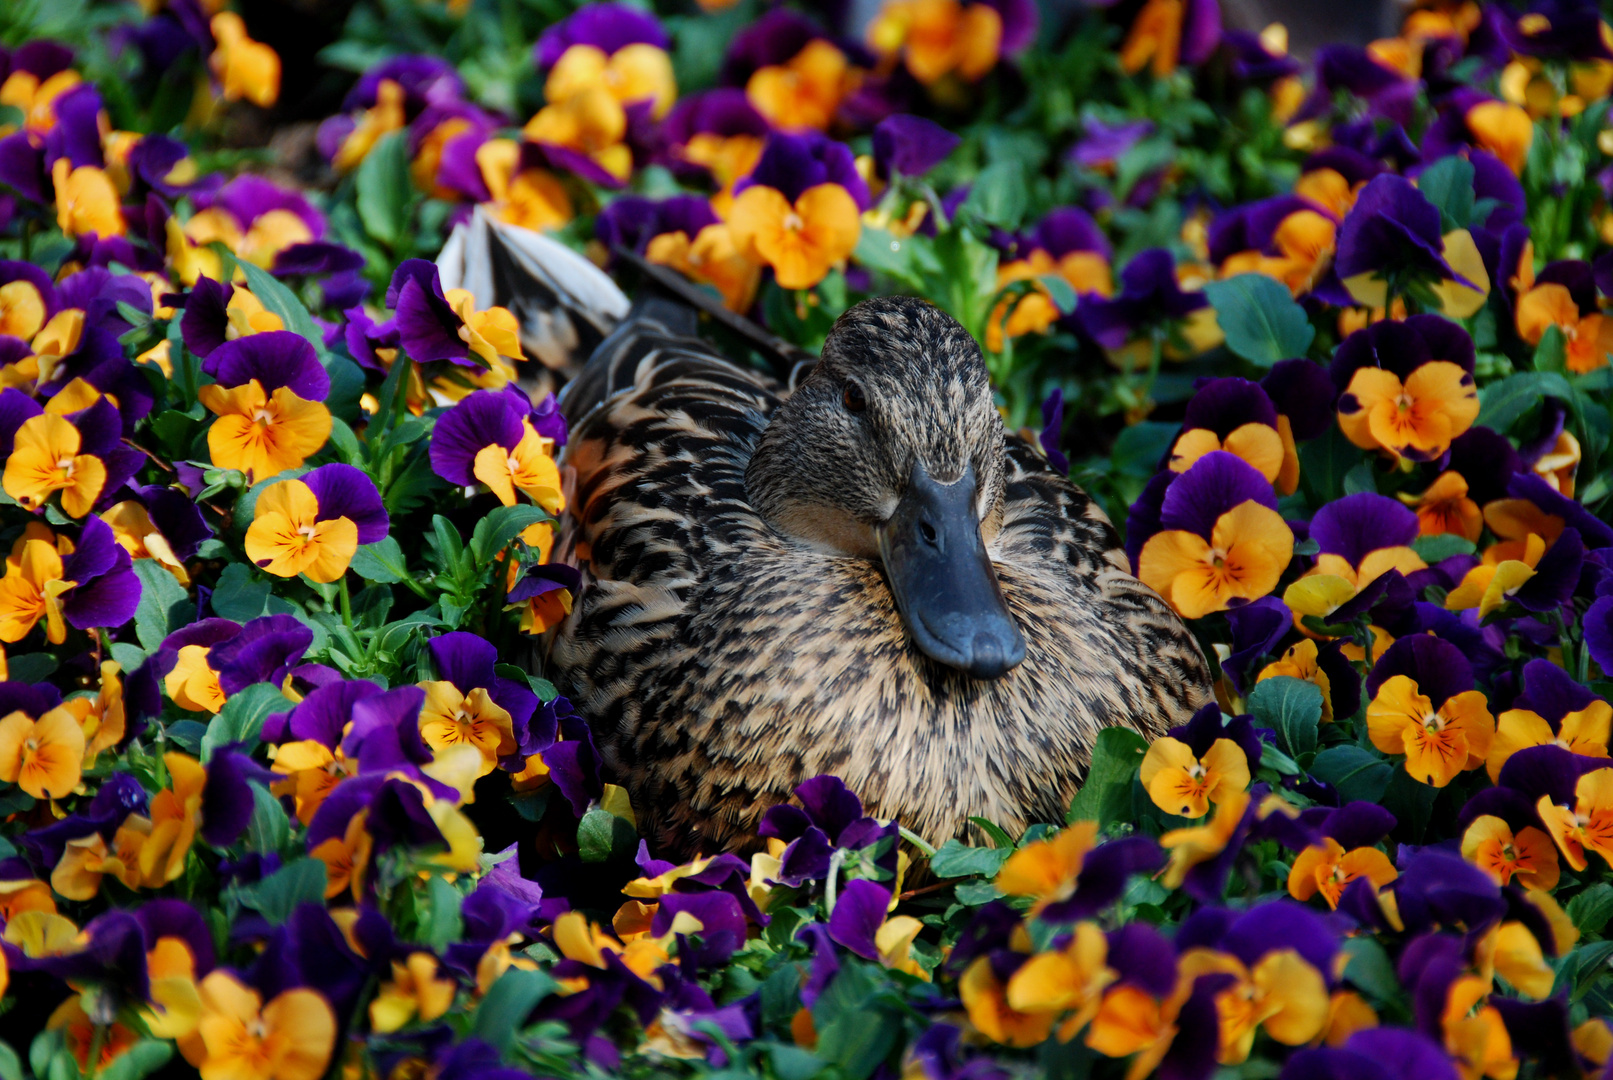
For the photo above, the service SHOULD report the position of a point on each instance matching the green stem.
(830, 886)
(92, 1060)
(501, 588)
(346, 601)
(917, 841)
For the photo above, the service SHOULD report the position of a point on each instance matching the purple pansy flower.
(1379, 1053)
(1104, 144)
(1257, 628)
(1104, 874)
(1149, 295)
(1387, 92)
(76, 135)
(793, 163)
(467, 662)
(1391, 228)
(830, 816)
(274, 359)
(1193, 500)
(428, 327)
(107, 590)
(607, 27)
(261, 651)
(910, 145)
(248, 197)
(344, 491)
(423, 78)
(632, 221)
(480, 419)
(773, 39)
(858, 914)
(1053, 432)
(1594, 532)
(322, 715)
(1357, 525)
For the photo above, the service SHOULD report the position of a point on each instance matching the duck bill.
(943, 580)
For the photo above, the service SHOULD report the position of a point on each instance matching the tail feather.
(564, 304)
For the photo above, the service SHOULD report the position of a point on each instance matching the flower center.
(1404, 402)
(1434, 723)
(1196, 771)
(66, 465)
(261, 417)
(793, 222)
(306, 532)
(30, 744)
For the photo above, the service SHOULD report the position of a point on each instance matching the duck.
(846, 565)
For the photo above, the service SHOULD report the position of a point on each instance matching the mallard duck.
(853, 570)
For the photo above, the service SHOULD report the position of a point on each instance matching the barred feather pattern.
(721, 663)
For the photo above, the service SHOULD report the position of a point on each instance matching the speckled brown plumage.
(722, 661)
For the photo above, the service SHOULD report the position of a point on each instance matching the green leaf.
(159, 593)
(1433, 549)
(508, 1003)
(1502, 403)
(1059, 291)
(879, 251)
(384, 192)
(346, 390)
(277, 896)
(1325, 462)
(140, 1060)
(793, 1062)
(1448, 184)
(1262, 322)
(955, 860)
(10, 1063)
(998, 195)
(381, 561)
(976, 893)
(1356, 772)
(1411, 802)
(237, 596)
(1139, 447)
(1551, 355)
(1105, 796)
(441, 925)
(270, 828)
(1291, 707)
(346, 443)
(187, 734)
(1368, 968)
(853, 1032)
(600, 833)
(242, 717)
(1362, 479)
(278, 298)
(37, 667)
(495, 531)
(1592, 908)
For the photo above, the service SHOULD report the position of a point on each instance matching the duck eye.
(853, 398)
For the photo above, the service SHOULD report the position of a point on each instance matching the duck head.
(891, 449)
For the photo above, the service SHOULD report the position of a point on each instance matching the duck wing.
(564, 304)
(663, 428)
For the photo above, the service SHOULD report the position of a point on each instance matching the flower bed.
(1327, 340)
